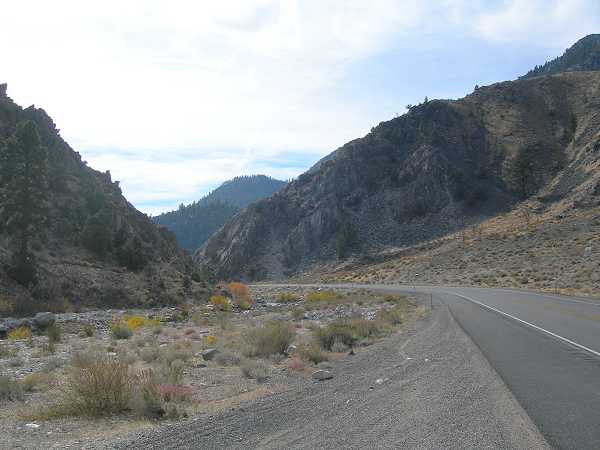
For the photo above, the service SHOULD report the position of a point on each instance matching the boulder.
(209, 354)
(322, 375)
(43, 320)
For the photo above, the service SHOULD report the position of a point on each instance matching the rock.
(587, 252)
(43, 320)
(201, 366)
(209, 354)
(290, 349)
(322, 375)
(33, 426)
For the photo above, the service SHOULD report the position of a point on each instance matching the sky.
(175, 97)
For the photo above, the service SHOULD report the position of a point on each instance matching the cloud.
(174, 97)
(551, 23)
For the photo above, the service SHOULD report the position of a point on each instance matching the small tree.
(521, 171)
(23, 194)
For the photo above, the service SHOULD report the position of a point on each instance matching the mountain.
(195, 223)
(97, 249)
(443, 165)
(583, 55)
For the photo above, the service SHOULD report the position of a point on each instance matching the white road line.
(543, 330)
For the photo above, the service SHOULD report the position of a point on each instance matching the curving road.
(545, 347)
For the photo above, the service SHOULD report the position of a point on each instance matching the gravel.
(427, 388)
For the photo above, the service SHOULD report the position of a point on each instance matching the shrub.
(273, 337)
(150, 354)
(177, 350)
(393, 316)
(100, 386)
(120, 330)
(10, 389)
(35, 380)
(297, 363)
(227, 359)
(312, 352)
(54, 334)
(136, 322)
(347, 331)
(339, 347)
(286, 297)
(322, 296)
(297, 314)
(52, 364)
(171, 371)
(220, 302)
(89, 330)
(256, 370)
(241, 294)
(20, 334)
(6, 352)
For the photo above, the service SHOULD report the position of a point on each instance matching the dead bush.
(271, 338)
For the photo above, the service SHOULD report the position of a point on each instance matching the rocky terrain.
(557, 252)
(193, 224)
(203, 358)
(442, 167)
(95, 249)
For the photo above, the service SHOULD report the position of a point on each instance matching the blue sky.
(176, 97)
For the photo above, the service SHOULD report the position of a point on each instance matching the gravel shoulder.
(427, 387)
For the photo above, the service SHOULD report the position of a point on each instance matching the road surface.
(547, 350)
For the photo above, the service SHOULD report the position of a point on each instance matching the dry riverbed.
(176, 363)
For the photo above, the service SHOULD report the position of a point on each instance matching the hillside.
(193, 224)
(582, 56)
(439, 168)
(96, 249)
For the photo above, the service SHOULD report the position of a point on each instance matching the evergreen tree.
(23, 194)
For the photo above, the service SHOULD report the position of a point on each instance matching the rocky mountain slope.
(440, 167)
(584, 55)
(193, 224)
(97, 249)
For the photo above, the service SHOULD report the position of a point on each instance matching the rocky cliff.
(442, 165)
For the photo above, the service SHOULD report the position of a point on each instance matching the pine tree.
(23, 194)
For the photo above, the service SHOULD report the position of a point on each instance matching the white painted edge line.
(543, 330)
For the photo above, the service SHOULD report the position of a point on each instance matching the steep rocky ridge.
(98, 249)
(441, 166)
(584, 55)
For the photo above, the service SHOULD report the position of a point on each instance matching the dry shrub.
(22, 333)
(296, 364)
(347, 331)
(36, 381)
(287, 297)
(136, 322)
(271, 338)
(101, 385)
(256, 370)
(240, 294)
(120, 330)
(312, 352)
(322, 296)
(220, 302)
(10, 389)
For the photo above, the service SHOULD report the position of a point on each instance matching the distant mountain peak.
(194, 223)
(584, 55)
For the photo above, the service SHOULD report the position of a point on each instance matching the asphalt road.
(546, 348)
